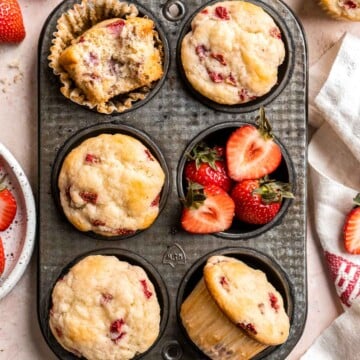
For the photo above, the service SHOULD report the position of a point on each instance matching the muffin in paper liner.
(73, 23)
(342, 9)
(212, 332)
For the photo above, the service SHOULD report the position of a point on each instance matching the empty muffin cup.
(103, 313)
(210, 68)
(110, 181)
(216, 136)
(204, 322)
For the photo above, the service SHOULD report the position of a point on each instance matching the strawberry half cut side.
(351, 230)
(251, 151)
(8, 207)
(207, 209)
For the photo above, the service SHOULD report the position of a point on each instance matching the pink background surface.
(20, 336)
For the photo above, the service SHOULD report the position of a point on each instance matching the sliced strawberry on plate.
(258, 201)
(8, 207)
(351, 228)
(206, 166)
(207, 209)
(251, 151)
(2, 257)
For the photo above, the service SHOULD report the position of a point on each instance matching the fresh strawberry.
(258, 201)
(351, 228)
(207, 209)
(251, 152)
(2, 257)
(7, 207)
(11, 22)
(207, 167)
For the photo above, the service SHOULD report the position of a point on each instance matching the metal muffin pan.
(114, 128)
(122, 255)
(172, 118)
(218, 135)
(255, 259)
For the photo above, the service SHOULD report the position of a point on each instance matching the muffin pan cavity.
(168, 125)
(217, 135)
(123, 255)
(94, 131)
(76, 23)
(284, 71)
(256, 260)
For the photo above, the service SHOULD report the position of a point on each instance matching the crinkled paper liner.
(212, 332)
(72, 24)
(338, 15)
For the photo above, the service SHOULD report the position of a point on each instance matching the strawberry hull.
(218, 135)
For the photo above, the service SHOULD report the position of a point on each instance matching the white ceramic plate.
(19, 238)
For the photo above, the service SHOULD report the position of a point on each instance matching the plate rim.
(30, 210)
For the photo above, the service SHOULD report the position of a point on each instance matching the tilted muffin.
(109, 60)
(234, 313)
(104, 308)
(233, 52)
(111, 184)
(342, 9)
(247, 299)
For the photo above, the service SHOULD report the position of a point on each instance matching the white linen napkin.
(334, 159)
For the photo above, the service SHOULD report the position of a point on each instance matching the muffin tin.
(172, 118)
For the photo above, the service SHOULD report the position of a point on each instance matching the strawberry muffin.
(233, 52)
(111, 184)
(342, 9)
(234, 312)
(111, 64)
(104, 308)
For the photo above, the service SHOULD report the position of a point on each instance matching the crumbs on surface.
(14, 76)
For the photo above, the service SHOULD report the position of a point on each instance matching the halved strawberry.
(8, 207)
(206, 166)
(2, 257)
(258, 201)
(207, 209)
(351, 228)
(251, 152)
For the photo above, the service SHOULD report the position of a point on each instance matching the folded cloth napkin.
(334, 159)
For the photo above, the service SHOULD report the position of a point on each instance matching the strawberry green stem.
(356, 199)
(263, 124)
(195, 196)
(202, 154)
(272, 191)
(2, 179)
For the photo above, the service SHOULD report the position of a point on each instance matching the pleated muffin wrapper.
(212, 332)
(75, 22)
